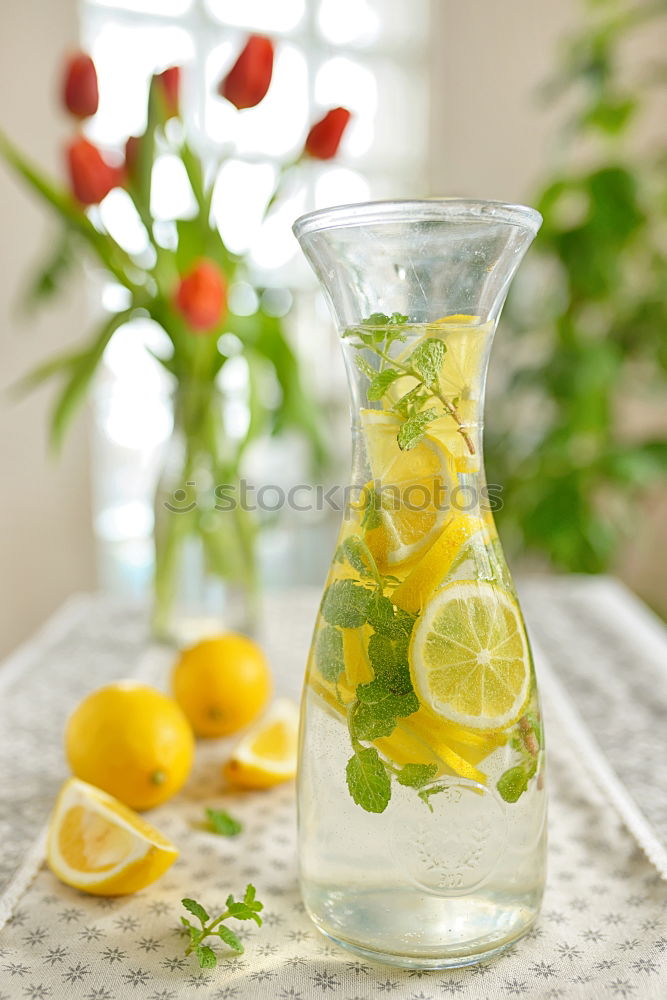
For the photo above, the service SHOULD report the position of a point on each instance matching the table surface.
(603, 929)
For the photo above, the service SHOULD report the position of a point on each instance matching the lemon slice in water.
(415, 486)
(469, 656)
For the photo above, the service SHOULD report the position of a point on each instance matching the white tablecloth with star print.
(602, 933)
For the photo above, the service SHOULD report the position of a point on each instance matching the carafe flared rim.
(445, 210)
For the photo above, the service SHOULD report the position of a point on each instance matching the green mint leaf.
(357, 553)
(248, 908)
(377, 710)
(207, 957)
(345, 603)
(390, 664)
(513, 783)
(196, 909)
(381, 653)
(376, 319)
(365, 367)
(368, 781)
(329, 653)
(416, 775)
(427, 359)
(372, 511)
(387, 620)
(250, 894)
(412, 430)
(538, 729)
(195, 933)
(411, 401)
(380, 615)
(222, 823)
(240, 911)
(230, 938)
(426, 793)
(380, 382)
(366, 723)
(397, 319)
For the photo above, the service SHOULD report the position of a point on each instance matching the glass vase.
(421, 792)
(205, 579)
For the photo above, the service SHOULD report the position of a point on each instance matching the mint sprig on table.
(389, 696)
(377, 334)
(219, 821)
(246, 909)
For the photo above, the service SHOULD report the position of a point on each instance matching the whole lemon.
(222, 684)
(131, 741)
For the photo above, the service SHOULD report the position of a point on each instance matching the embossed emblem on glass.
(453, 847)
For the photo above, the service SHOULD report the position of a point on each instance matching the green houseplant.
(182, 284)
(589, 322)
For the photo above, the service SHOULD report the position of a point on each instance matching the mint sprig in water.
(246, 909)
(389, 695)
(527, 741)
(377, 334)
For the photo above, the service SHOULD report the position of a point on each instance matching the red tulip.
(80, 92)
(201, 296)
(170, 84)
(91, 177)
(325, 136)
(249, 78)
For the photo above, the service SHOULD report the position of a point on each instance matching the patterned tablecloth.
(603, 930)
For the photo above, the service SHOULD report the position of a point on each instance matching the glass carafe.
(421, 796)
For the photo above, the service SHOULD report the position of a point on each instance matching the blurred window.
(368, 55)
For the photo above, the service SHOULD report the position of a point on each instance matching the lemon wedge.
(421, 581)
(98, 845)
(416, 486)
(267, 753)
(469, 656)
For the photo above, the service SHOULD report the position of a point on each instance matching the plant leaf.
(412, 430)
(81, 374)
(111, 255)
(229, 937)
(329, 653)
(513, 783)
(368, 781)
(196, 909)
(207, 957)
(345, 603)
(416, 775)
(380, 382)
(222, 823)
(427, 360)
(50, 275)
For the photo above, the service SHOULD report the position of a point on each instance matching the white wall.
(489, 133)
(45, 537)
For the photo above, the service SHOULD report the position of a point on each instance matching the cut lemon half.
(266, 755)
(469, 656)
(98, 845)
(415, 488)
